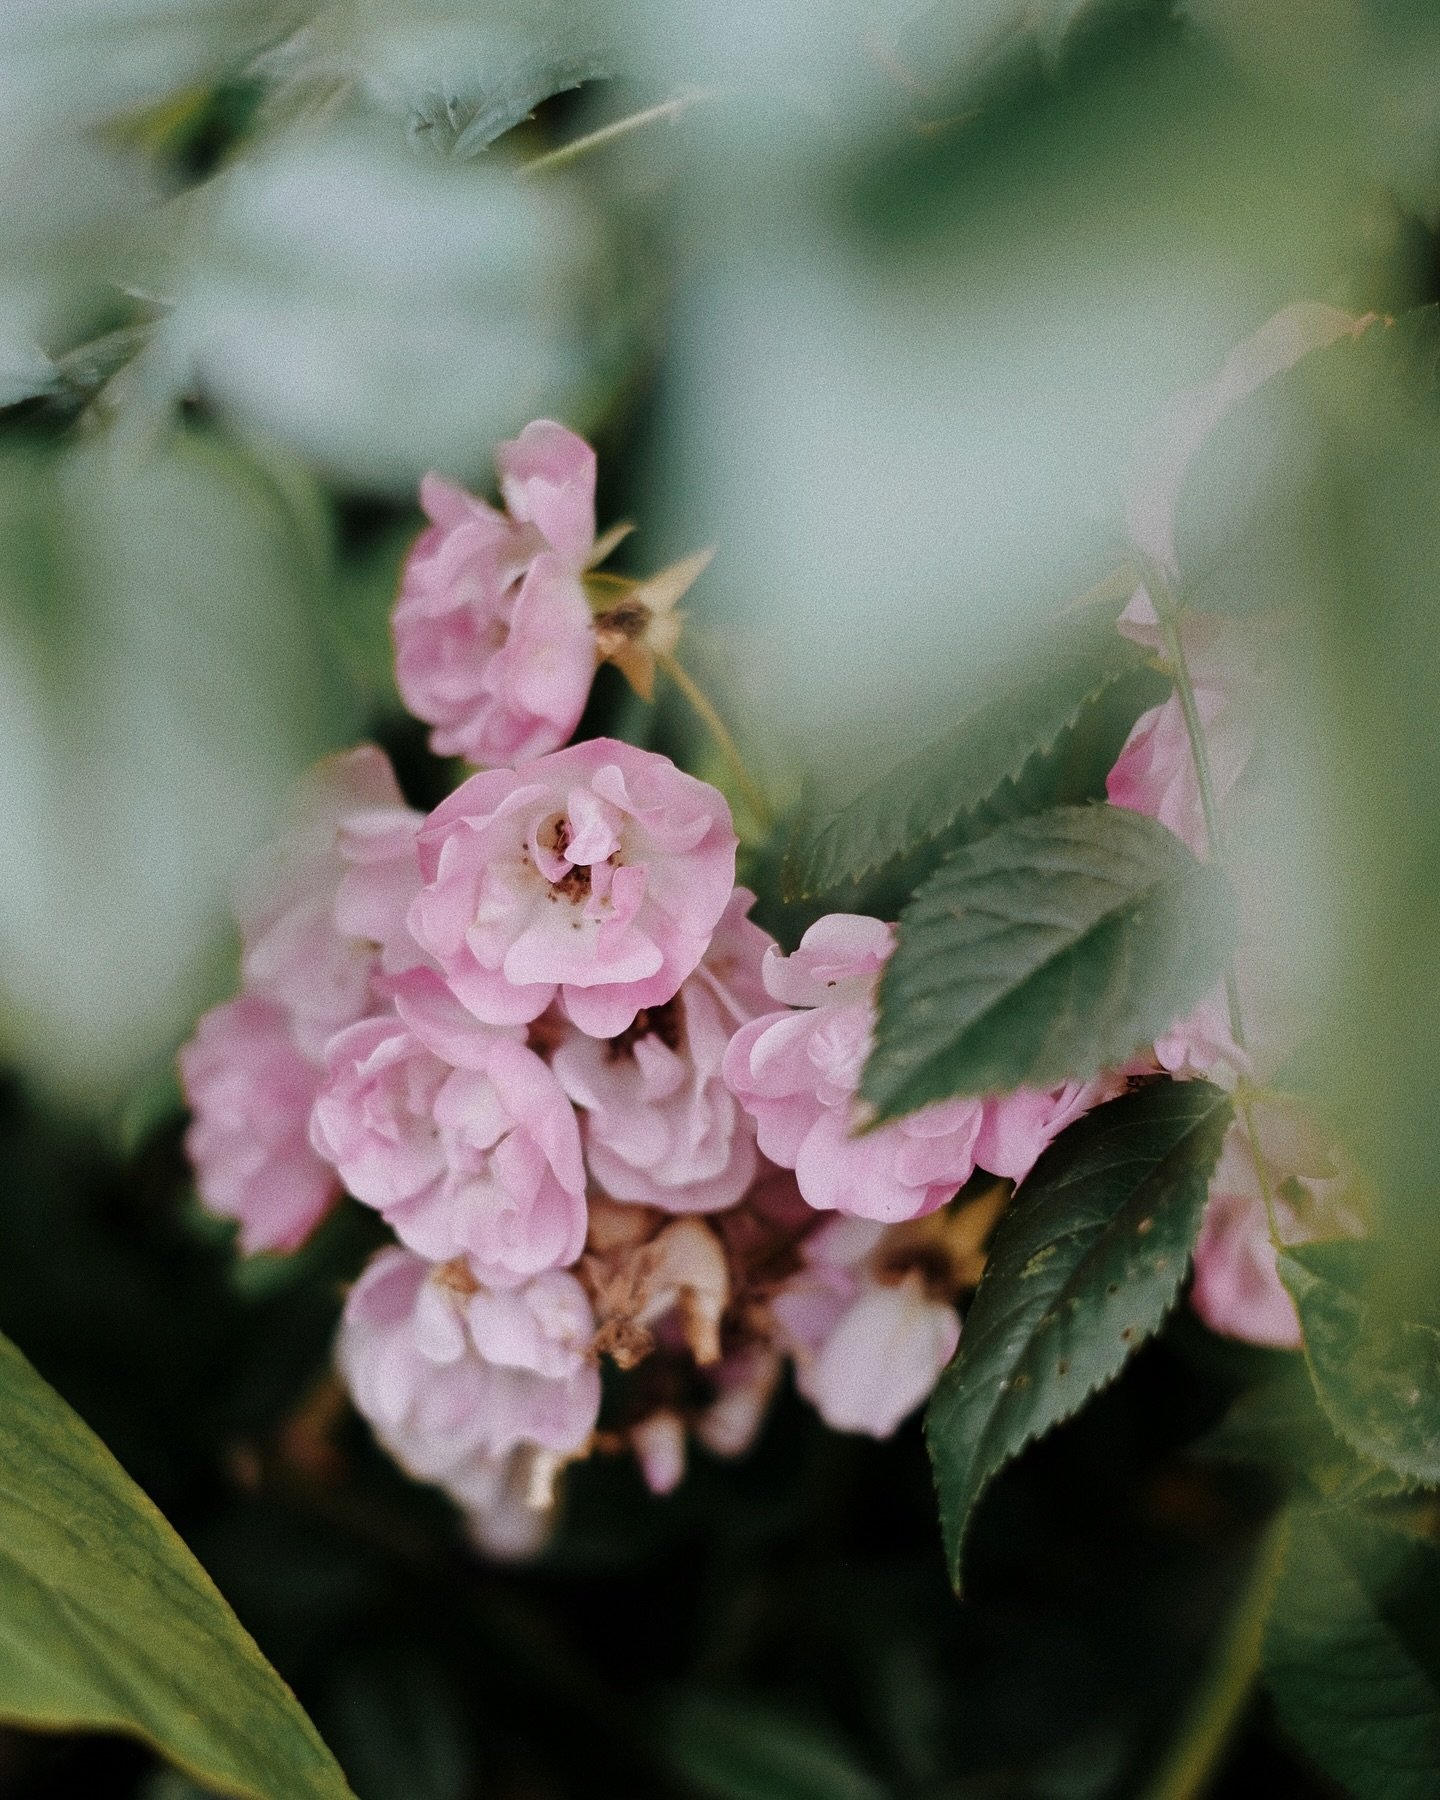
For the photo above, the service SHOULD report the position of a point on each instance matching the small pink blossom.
(797, 1072)
(1018, 1126)
(457, 1391)
(348, 816)
(661, 1128)
(250, 1091)
(1201, 1045)
(480, 1161)
(867, 1351)
(1237, 1288)
(598, 873)
(494, 645)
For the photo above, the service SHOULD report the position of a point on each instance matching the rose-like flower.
(868, 1345)
(250, 1091)
(797, 1074)
(661, 1128)
(457, 1383)
(494, 645)
(598, 873)
(480, 1161)
(297, 952)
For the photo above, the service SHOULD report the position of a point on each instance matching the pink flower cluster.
(602, 1113)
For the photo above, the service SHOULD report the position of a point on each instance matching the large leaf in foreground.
(108, 1622)
(1352, 1655)
(1053, 948)
(915, 803)
(1377, 1374)
(1085, 1265)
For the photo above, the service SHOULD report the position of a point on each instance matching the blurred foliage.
(878, 305)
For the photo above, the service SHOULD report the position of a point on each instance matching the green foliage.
(968, 770)
(164, 681)
(110, 1623)
(1376, 1371)
(734, 1749)
(1352, 1656)
(1086, 1262)
(1051, 949)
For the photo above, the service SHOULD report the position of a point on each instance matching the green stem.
(750, 789)
(618, 128)
(1212, 1718)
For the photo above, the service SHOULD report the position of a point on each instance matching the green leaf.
(737, 1748)
(1352, 1654)
(1377, 1374)
(1086, 1263)
(163, 681)
(108, 1623)
(424, 309)
(1053, 948)
(458, 75)
(927, 794)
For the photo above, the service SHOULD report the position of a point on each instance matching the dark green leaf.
(1352, 1654)
(1377, 1373)
(923, 798)
(742, 1749)
(1086, 1263)
(108, 1622)
(1051, 949)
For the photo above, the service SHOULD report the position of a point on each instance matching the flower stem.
(566, 154)
(749, 788)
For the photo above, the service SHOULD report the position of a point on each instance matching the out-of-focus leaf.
(458, 75)
(162, 682)
(107, 1622)
(1018, 722)
(1352, 1656)
(1377, 1374)
(384, 313)
(1085, 1264)
(735, 1748)
(1051, 949)
(392, 1713)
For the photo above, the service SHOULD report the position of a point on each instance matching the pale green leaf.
(107, 1622)
(1377, 1372)
(1025, 714)
(1054, 947)
(1086, 1263)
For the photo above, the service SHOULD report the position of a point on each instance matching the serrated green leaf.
(964, 770)
(1086, 1263)
(1053, 948)
(108, 1623)
(1352, 1654)
(1377, 1374)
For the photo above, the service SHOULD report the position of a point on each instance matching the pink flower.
(494, 644)
(1237, 1288)
(480, 1161)
(661, 1128)
(797, 1073)
(1017, 1127)
(456, 1382)
(599, 873)
(1155, 772)
(250, 1091)
(867, 1351)
(297, 952)
(1201, 1045)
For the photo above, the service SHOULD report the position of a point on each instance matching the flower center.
(665, 1022)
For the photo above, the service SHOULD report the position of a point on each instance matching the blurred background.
(878, 297)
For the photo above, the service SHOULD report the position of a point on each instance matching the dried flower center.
(574, 884)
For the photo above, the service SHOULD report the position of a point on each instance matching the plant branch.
(566, 154)
(750, 789)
